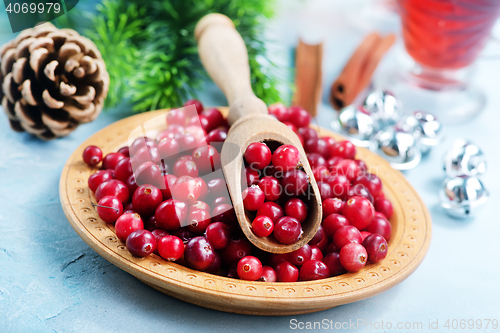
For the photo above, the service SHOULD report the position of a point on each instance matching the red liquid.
(447, 33)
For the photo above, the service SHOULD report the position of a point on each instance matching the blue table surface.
(52, 281)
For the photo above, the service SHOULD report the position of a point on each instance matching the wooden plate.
(411, 225)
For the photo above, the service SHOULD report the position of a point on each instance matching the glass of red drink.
(444, 38)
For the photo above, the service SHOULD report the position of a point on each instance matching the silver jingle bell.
(357, 125)
(464, 158)
(384, 107)
(399, 148)
(427, 128)
(461, 196)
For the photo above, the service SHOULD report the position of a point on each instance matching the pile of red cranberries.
(164, 196)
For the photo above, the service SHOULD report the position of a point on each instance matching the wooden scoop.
(224, 56)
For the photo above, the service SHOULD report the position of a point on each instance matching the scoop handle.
(224, 56)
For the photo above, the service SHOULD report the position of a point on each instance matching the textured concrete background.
(51, 281)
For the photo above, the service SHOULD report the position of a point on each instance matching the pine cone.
(52, 81)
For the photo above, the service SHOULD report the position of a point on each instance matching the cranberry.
(92, 155)
(291, 126)
(376, 247)
(332, 261)
(111, 160)
(203, 188)
(262, 226)
(325, 190)
(140, 143)
(149, 223)
(231, 271)
(319, 147)
(332, 223)
(123, 169)
(332, 206)
(363, 168)
(131, 184)
(329, 142)
(286, 157)
(314, 270)
(340, 185)
(168, 147)
(109, 209)
(185, 167)
(348, 168)
(199, 254)
(169, 181)
(384, 206)
(252, 176)
(112, 187)
(359, 212)
(217, 135)
(126, 224)
(371, 182)
(214, 117)
(271, 188)
(236, 249)
(224, 213)
(146, 198)
(316, 253)
(380, 226)
(125, 151)
(170, 248)
(271, 210)
(318, 238)
(296, 208)
(359, 190)
(218, 235)
(280, 111)
(159, 234)
(316, 160)
(295, 182)
(364, 234)
(141, 243)
(171, 214)
(186, 141)
(286, 272)
(146, 154)
(321, 173)
(345, 235)
(221, 201)
(186, 189)
(332, 162)
(199, 205)
(299, 116)
(207, 159)
(353, 257)
(287, 230)
(270, 170)
(217, 188)
(98, 178)
(249, 268)
(344, 149)
(253, 198)
(308, 133)
(258, 155)
(276, 258)
(216, 264)
(177, 117)
(197, 104)
(331, 248)
(268, 274)
(198, 220)
(301, 255)
(184, 234)
(148, 173)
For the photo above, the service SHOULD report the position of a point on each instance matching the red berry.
(224, 213)
(344, 149)
(268, 274)
(359, 190)
(301, 255)
(176, 116)
(199, 205)
(109, 209)
(158, 233)
(146, 198)
(148, 173)
(199, 254)
(376, 247)
(218, 234)
(320, 240)
(198, 220)
(287, 230)
(170, 248)
(380, 226)
(145, 154)
(308, 133)
(286, 157)
(252, 176)
(125, 151)
(92, 155)
(299, 116)
(131, 184)
(331, 248)
(169, 181)
(364, 234)
(271, 210)
(206, 158)
(186, 189)
(168, 148)
(321, 173)
(185, 167)
(316, 160)
(111, 160)
(258, 155)
(171, 214)
(279, 111)
(371, 182)
(217, 188)
(332, 223)
(236, 249)
(332, 261)
(140, 143)
(286, 272)
(325, 190)
(253, 198)
(291, 126)
(353, 257)
(345, 235)
(296, 208)
(214, 118)
(314, 270)
(112, 187)
(141, 243)
(249, 268)
(348, 168)
(221, 201)
(98, 178)
(123, 170)
(384, 206)
(332, 206)
(197, 104)
(316, 253)
(295, 182)
(359, 212)
(329, 142)
(340, 185)
(271, 188)
(217, 135)
(126, 224)
(262, 226)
